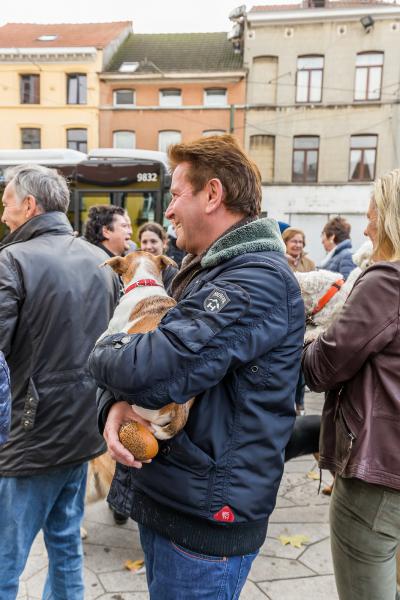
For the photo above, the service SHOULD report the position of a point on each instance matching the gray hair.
(47, 186)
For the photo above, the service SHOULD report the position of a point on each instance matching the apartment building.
(323, 92)
(163, 88)
(50, 92)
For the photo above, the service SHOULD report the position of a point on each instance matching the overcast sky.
(148, 16)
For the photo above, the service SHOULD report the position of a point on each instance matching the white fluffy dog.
(315, 284)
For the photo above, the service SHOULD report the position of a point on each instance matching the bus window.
(87, 200)
(141, 208)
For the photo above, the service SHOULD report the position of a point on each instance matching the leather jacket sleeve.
(11, 294)
(368, 322)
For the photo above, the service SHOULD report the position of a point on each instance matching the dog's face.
(128, 266)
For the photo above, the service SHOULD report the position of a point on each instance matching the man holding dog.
(233, 341)
(55, 302)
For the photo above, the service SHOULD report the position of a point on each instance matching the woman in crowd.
(153, 239)
(357, 362)
(335, 238)
(295, 242)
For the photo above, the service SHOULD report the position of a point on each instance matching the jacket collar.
(342, 246)
(259, 235)
(54, 222)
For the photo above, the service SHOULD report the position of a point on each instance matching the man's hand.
(120, 413)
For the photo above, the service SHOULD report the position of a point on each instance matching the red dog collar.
(335, 287)
(142, 283)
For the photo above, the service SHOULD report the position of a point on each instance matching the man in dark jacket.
(233, 341)
(108, 228)
(55, 302)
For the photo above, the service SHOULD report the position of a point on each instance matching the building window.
(29, 89)
(210, 132)
(305, 159)
(369, 67)
(76, 89)
(170, 98)
(77, 139)
(215, 97)
(124, 98)
(363, 157)
(262, 151)
(124, 139)
(166, 138)
(30, 138)
(309, 78)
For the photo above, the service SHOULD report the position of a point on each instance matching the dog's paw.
(162, 432)
(84, 533)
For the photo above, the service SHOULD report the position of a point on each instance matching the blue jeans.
(175, 573)
(53, 502)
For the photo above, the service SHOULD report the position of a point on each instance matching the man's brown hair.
(221, 157)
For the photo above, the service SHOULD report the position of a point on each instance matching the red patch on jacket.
(225, 514)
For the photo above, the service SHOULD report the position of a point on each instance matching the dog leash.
(334, 289)
(142, 283)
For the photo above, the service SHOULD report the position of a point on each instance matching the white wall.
(310, 207)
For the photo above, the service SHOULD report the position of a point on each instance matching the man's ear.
(105, 232)
(215, 192)
(32, 207)
(117, 263)
(163, 262)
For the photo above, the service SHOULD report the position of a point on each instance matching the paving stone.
(127, 596)
(306, 494)
(99, 512)
(301, 514)
(270, 568)
(272, 547)
(251, 591)
(36, 563)
(299, 466)
(123, 581)
(282, 502)
(314, 531)
(311, 588)
(111, 535)
(318, 557)
(103, 559)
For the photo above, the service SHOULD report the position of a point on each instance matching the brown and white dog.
(140, 310)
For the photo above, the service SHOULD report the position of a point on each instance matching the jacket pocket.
(181, 475)
(344, 440)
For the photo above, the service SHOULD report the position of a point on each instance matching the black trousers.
(305, 437)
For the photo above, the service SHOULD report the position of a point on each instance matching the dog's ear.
(163, 262)
(117, 263)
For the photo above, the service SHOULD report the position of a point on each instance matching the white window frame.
(115, 92)
(215, 100)
(168, 100)
(118, 133)
(210, 132)
(168, 137)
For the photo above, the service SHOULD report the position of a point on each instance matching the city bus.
(137, 180)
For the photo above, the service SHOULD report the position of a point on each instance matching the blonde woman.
(357, 362)
(295, 240)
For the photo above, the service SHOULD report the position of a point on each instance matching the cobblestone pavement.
(279, 572)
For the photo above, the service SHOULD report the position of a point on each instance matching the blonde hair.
(386, 197)
(290, 232)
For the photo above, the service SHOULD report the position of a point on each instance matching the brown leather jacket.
(357, 361)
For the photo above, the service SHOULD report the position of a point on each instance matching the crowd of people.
(234, 341)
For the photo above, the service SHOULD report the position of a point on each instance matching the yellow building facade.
(50, 93)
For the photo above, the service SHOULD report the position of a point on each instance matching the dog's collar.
(142, 283)
(335, 287)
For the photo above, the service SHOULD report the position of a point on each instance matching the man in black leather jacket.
(55, 302)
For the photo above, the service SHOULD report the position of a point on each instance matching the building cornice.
(321, 14)
(48, 54)
(170, 108)
(226, 76)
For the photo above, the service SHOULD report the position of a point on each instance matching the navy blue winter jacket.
(341, 261)
(234, 342)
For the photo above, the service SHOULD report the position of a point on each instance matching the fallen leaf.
(313, 475)
(296, 541)
(134, 565)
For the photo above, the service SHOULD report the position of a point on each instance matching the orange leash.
(335, 287)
